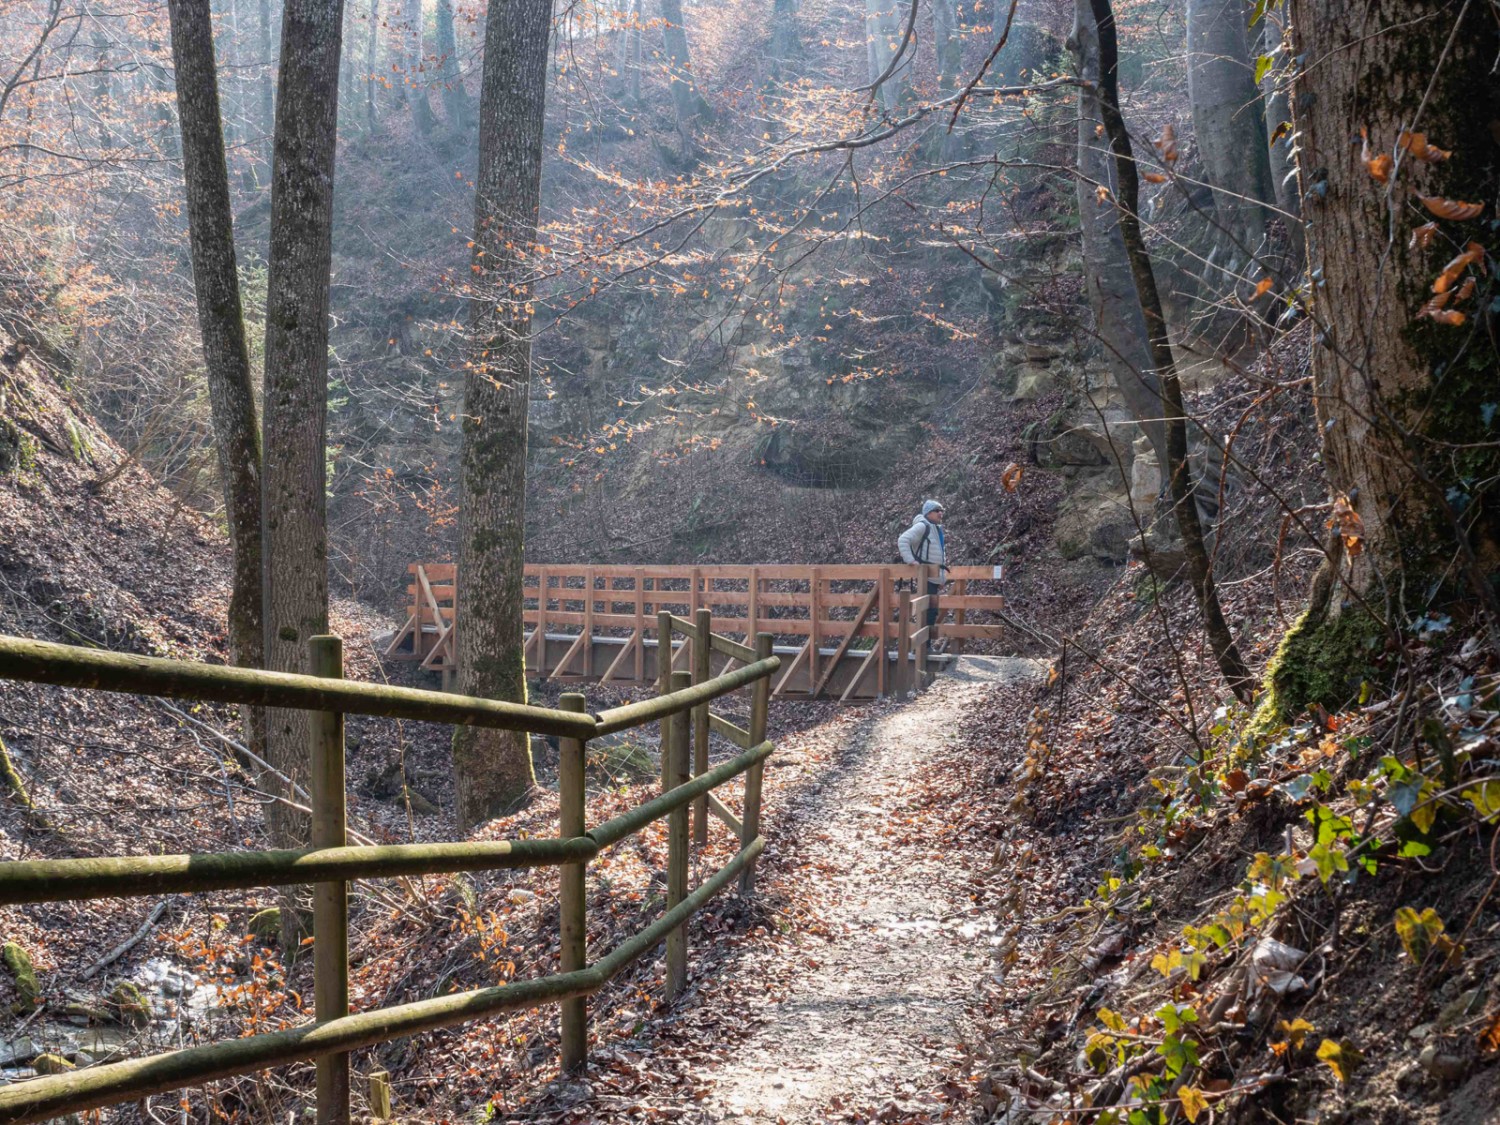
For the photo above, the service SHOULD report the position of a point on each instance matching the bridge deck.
(832, 624)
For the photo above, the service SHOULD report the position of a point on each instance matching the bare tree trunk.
(455, 96)
(1220, 639)
(1274, 91)
(372, 64)
(492, 769)
(1229, 126)
(266, 81)
(885, 27)
(637, 48)
(786, 40)
(1118, 321)
(946, 43)
(294, 496)
(686, 97)
(221, 323)
(1408, 444)
(416, 68)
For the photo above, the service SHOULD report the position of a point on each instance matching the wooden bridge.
(850, 632)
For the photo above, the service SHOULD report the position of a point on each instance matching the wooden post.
(903, 643)
(640, 625)
(815, 637)
(380, 1095)
(572, 923)
(663, 686)
(330, 900)
(702, 657)
(885, 630)
(960, 615)
(541, 623)
(760, 712)
(588, 620)
(752, 625)
(677, 844)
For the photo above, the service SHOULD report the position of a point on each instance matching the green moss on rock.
(28, 986)
(266, 925)
(129, 1005)
(51, 1064)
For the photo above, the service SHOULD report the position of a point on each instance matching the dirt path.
(874, 1020)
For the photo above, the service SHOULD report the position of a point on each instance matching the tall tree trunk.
(1229, 126)
(686, 97)
(372, 64)
(492, 769)
(786, 40)
(1220, 639)
(265, 82)
(1405, 401)
(946, 43)
(1118, 322)
(455, 96)
(221, 323)
(1275, 88)
(885, 28)
(416, 68)
(295, 401)
(636, 48)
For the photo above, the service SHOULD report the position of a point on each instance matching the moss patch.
(266, 925)
(28, 986)
(1322, 660)
(128, 1003)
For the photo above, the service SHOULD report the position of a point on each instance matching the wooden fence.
(843, 628)
(682, 708)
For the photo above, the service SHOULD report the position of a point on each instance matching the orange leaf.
(1101, 193)
(1416, 146)
(1473, 254)
(1380, 167)
(1451, 317)
(1422, 237)
(1010, 478)
(1153, 177)
(1350, 527)
(1451, 208)
(1465, 289)
(1167, 146)
(1263, 286)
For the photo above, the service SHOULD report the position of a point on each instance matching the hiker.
(922, 542)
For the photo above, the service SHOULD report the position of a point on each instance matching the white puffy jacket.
(922, 542)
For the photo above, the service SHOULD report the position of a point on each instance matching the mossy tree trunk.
(1405, 402)
(492, 769)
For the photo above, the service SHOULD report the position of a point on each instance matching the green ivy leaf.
(1262, 67)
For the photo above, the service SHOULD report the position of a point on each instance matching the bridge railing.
(605, 618)
(330, 862)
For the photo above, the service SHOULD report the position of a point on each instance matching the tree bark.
(885, 28)
(786, 40)
(946, 43)
(416, 68)
(1220, 639)
(492, 769)
(372, 64)
(221, 323)
(687, 99)
(1274, 91)
(1402, 399)
(1118, 322)
(455, 96)
(1229, 126)
(294, 496)
(266, 83)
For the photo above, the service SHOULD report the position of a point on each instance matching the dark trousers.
(932, 607)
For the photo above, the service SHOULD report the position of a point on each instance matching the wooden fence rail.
(330, 862)
(842, 628)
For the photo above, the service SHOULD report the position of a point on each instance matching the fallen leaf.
(1263, 286)
(1341, 1058)
(1153, 177)
(1010, 478)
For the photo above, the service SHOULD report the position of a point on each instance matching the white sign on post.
(999, 573)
